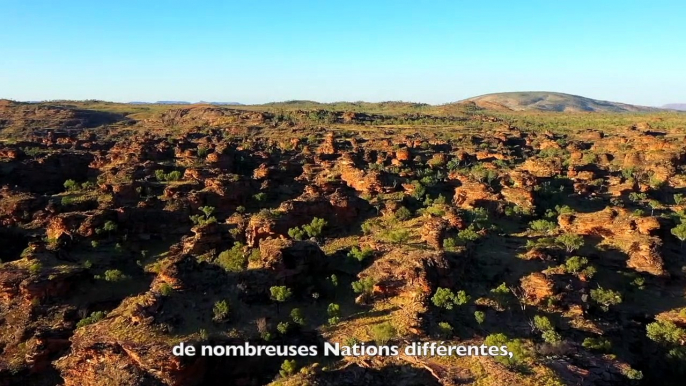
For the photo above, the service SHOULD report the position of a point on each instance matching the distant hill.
(675, 106)
(219, 103)
(161, 103)
(187, 103)
(551, 101)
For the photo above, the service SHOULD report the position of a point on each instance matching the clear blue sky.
(259, 51)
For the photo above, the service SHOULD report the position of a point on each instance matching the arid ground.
(126, 229)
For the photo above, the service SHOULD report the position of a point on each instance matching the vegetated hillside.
(675, 106)
(551, 101)
(216, 225)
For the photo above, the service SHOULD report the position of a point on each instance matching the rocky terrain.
(128, 229)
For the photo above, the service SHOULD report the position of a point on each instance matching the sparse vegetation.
(557, 235)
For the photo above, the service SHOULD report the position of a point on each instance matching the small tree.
(654, 204)
(597, 344)
(260, 197)
(575, 264)
(445, 330)
(570, 241)
(444, 298)
(297, 233)
(35, 268)
(71, 185)
(109, 227)
(363, 286)
(680, 232)
(174, 175)
(552, 337)
(280, 294)
(234, 259)
(666, 332)
(288, 368)
(516, 347)
(221, 311)
(542, 323)
(334, 312)
(207, 210)
(283, 327)
(315, 228)
(297, 316)
(334, 280)
(480, 317)
(115, 275)
(606, 297)
(360, 254)
(166, 289)
(542, 225)
(383, 333)
(402, 214)
(94, 317)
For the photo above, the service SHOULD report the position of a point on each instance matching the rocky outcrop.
(537, 287)
(433, 232)
(474, 194)
(619, 227)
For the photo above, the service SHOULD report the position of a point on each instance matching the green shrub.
(575, 264)
(234, 259)
(445, 298)
(110, 226)
(480, 317)
(665, 332)
(71, 185)
(202, 151)
(680, 232)
(551, 336)
(220, 310)
(516, 347)
(288, 368)
(367, 227)
(570, 241)
(315, 228)
(166, 289)
(283, 327)
(94, 317)
(597, 344)
(297, 233)
(363, 286)
(606, 297)
(468, 235)
(115, 275)
(445, 330)
(280, 294)
(260, 197)
(297, 316)
(67, 200)
(35, 268)
(542, 323)
(174, 175)
(403, 214)
(397, 236)
(382, 333)
(360, 254)
(542, 225)
(633, 374)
